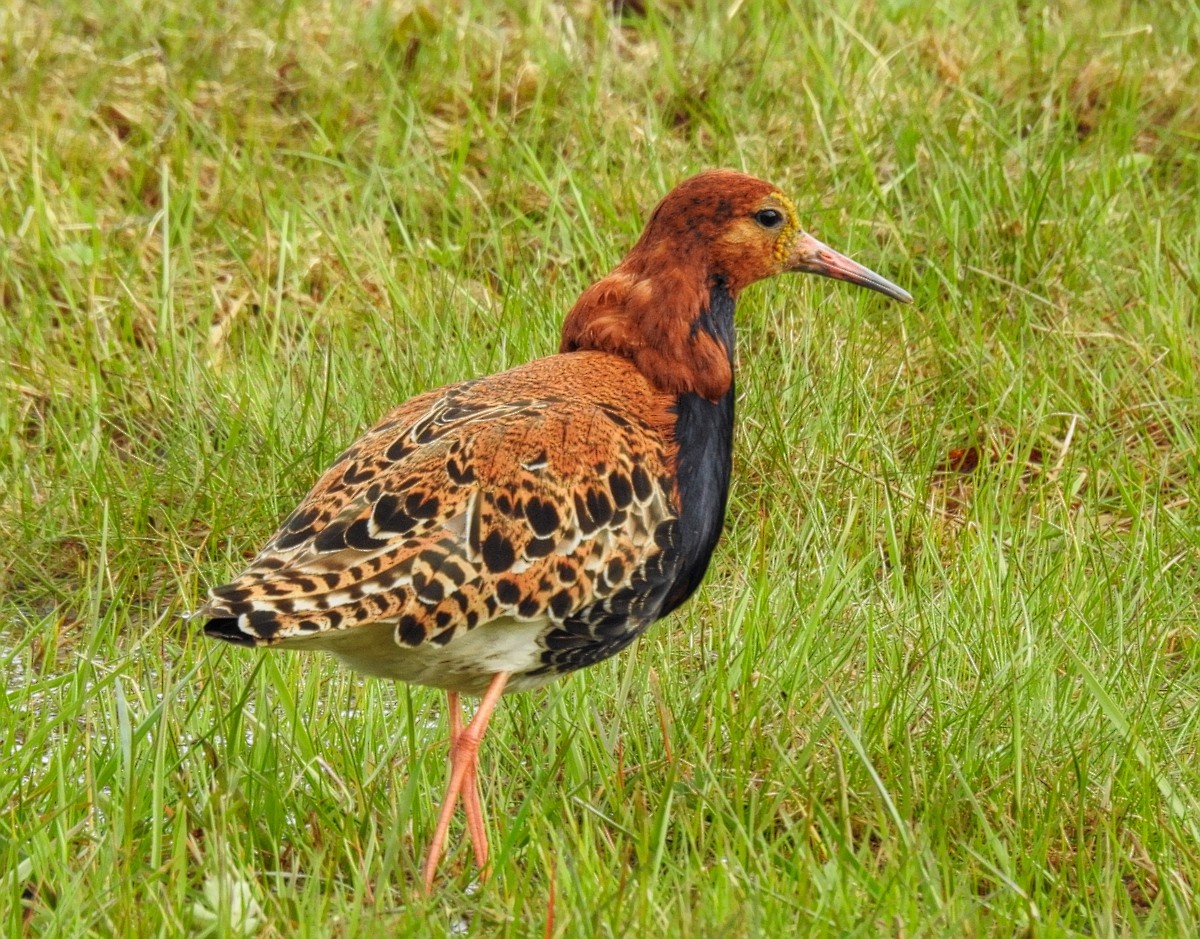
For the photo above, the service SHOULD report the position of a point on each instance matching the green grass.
(943, 678)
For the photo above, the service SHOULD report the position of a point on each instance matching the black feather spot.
(226, 627)
(237, 609)
(263, 623)
(432, 592)
(454, 572)
(621, 489)
(354, 474)
(507, 591)
(398, 450)
(599, 507)
(290, 539)
(497, 552)
(460, 472)
(543, 517)
(641, 484)
(358, 536)
(418, 505)
(425, 432)
(388, 516)
(332, 538)
(561, 603)
(410, 631)
(300, 519)
(539, 547)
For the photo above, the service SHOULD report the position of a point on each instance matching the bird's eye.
(769, 218)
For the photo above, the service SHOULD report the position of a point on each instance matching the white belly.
(465, 664)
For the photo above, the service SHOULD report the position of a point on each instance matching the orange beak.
(812, 257)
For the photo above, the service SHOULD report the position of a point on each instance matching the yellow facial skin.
(786, 240)
(750, 250)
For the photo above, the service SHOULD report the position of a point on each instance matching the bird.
(492, 535)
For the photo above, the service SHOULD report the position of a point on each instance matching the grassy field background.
(943, 679)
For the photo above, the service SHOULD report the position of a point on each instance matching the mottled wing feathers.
(522, 496)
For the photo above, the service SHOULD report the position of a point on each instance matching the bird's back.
(521, 522)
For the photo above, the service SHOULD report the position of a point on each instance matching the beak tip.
(813, 257)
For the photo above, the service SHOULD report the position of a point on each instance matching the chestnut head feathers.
(729, 225)
(720, 230)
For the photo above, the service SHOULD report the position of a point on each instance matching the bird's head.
(714, 233)
(742, 229)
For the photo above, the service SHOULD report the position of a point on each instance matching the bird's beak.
(812, 257)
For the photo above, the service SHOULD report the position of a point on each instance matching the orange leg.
(470, 794)
(464, 746)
